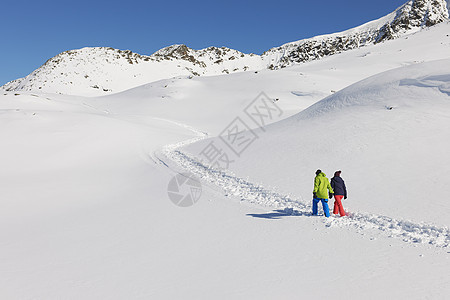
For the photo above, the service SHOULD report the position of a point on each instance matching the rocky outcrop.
(414, 14)
(410, 17)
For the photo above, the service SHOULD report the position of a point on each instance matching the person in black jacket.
(340, 191)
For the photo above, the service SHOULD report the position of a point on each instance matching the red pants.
(338, 208)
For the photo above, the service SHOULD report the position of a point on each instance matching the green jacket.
(322, 186)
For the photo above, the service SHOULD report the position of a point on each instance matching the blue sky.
(34, 31)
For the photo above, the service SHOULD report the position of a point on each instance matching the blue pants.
(326, 210)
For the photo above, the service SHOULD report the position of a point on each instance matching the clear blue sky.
(34, 31)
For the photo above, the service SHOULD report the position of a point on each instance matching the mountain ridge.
(408, 18)
(99, 70)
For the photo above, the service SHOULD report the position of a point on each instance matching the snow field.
(85, 212)
(244, 190)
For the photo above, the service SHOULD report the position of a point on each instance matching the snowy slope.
(85, 212)
(388, 134)
(211, 103)
(100, 71)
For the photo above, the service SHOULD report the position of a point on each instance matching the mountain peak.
(408, 18)
(198, 57)
(173, 51)
(414, 15)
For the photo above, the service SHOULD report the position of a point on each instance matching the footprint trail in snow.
(232, 185)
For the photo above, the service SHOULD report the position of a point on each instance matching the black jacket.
(338, 185)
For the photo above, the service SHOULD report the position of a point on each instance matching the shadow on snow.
(280, 213)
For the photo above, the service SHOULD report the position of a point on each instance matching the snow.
(100, 70)
(85, 211)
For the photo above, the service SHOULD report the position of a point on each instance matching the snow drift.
(388, 134)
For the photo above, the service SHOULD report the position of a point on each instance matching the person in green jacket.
(322, 190)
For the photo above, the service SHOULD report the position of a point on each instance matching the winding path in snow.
(232, 185)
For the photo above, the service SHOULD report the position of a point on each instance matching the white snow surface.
(85, 212)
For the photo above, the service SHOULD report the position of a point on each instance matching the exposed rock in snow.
(409, 18)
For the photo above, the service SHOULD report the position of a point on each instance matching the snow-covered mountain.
(407, 19)
(101, 70)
